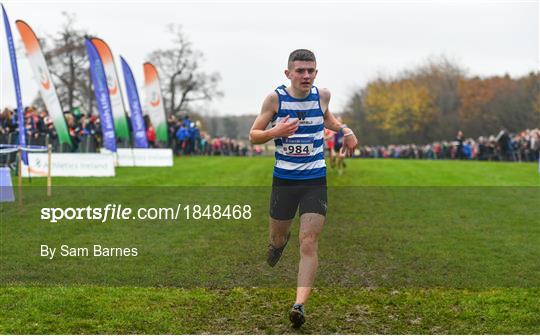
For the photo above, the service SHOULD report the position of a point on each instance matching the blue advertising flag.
(137, 121)
(101, 92)
(15, 73)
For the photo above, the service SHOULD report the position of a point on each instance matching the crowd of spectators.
(185, 136)
(84, 131)
(505, 146)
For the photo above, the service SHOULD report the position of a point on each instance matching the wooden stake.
(49, 165)
(19, 173)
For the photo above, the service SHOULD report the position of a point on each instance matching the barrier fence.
(7, 149)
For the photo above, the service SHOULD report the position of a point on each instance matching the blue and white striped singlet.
(300, 156)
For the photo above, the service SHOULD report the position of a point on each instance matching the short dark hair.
(301, 55)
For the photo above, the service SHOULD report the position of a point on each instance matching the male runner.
(298, 114)
(339, 151)
(329, 142)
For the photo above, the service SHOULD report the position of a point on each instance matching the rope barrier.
(26, 147)
(6, 149)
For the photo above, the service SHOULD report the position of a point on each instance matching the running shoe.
(274, 253)
(297, 315)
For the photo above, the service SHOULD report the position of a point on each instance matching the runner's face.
(302, 75)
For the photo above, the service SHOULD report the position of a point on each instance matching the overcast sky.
(248, 43)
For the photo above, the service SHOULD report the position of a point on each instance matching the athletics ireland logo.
(111, 84)
(154, 102)
(44, 80)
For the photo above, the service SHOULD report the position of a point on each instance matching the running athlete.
(340, 154)
(298, 113)
(329, 142)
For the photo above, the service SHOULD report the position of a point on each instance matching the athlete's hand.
(285, 128)
(349, 142)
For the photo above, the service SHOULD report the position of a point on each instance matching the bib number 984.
(298, 146)
(296, 150)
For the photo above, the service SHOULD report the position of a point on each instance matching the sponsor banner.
(143, 157)
(137, 121)
(101, 92)
(113, 84)
(155, 157)
(154, 102)
(45, 83)
(122, 158)
(16, 84)
(70, 164)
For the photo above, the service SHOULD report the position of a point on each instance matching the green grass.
(127, 310)
(237, 171)
(417, 247)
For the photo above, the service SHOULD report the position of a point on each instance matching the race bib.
(298, 146)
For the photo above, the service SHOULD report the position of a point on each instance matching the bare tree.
(182, 80)
(66, 57)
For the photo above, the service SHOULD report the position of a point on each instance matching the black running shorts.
(309, 196)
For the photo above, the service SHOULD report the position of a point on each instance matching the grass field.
(409, 247)
(237, 171)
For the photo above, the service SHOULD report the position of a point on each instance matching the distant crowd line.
(505, 146)
(187, 138)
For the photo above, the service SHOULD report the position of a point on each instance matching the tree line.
(435, 100)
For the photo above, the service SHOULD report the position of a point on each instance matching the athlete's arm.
(330, 121)
(259, 134)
